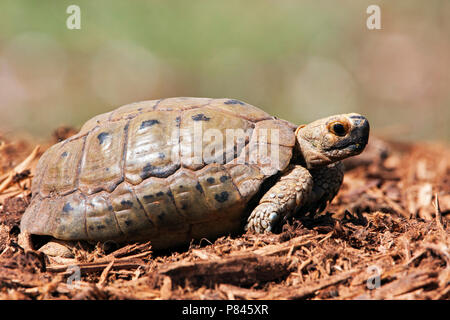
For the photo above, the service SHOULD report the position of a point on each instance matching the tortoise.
(167, 171)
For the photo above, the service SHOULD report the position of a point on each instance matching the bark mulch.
(385, 236)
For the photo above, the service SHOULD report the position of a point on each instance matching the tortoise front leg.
(289, 193)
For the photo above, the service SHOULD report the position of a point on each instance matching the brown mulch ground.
(385, 236)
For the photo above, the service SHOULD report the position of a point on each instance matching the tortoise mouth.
(355, 146)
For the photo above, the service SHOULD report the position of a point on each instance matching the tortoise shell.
(131, 174)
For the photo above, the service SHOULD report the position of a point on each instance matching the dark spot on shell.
(127, 204)
(100, 227)
(161, 155)
(91, 227)
(161, 216)
(200, 117)
(160, 172)
(128, 222)
(233, 101)
(177, 121)
(148, 123)
(223, 178)
(107, 169)
(184, 206)
(221, 197)
(139, 109)
(148, 197)
(146, 171)
(67, 207)
(102, 137)
(198, 186)
(211, 180)
(169, 193)
(160, 193)
(64, 154)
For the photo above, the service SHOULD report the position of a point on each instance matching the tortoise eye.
(339, 128)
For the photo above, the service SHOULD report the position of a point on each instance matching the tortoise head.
(332, 139)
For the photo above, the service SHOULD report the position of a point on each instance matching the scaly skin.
(290, 192)
(326, 184)
(298, 189)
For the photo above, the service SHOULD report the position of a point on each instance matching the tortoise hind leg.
(53, 248)
(58, 248)
(292, 191)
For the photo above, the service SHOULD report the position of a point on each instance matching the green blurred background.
(299, 60)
